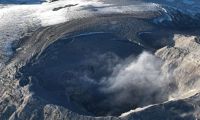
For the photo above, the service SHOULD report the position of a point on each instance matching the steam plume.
(138, 81)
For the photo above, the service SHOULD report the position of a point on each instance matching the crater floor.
(70, 72)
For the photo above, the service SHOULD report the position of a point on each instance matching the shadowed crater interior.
(69, 73)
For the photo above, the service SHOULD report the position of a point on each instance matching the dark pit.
(69, 71)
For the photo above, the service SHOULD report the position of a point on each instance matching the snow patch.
(134, 111)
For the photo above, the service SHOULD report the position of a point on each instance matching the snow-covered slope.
(17, 20)
(183, 14)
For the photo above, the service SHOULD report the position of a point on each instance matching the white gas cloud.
(139, 81)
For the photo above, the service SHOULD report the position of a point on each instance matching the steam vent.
(99, 60)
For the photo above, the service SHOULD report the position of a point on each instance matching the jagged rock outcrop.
(183, 60)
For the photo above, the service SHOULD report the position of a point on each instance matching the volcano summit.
(100, 60)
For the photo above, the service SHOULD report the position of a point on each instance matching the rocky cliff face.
(182, 60)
